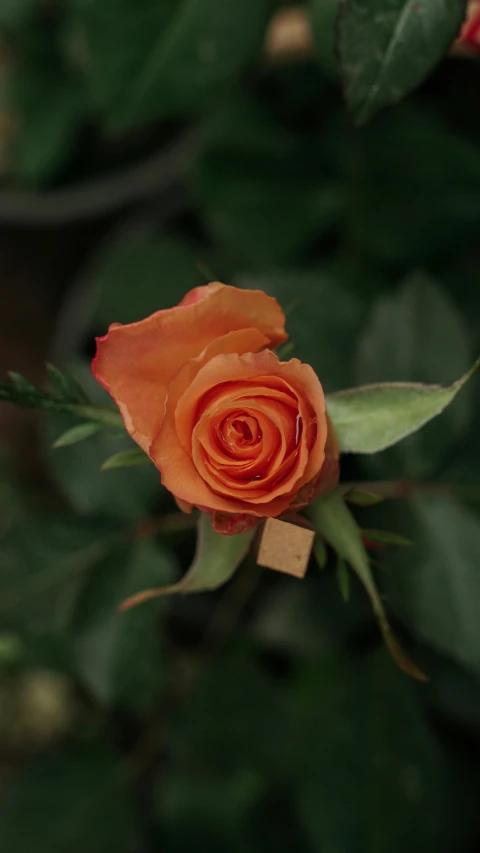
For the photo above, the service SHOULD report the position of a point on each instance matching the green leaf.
(78, 477)
(362, 497)
(61, 384)
(386, 49)
(166, 58)
(320, 551)
(76, 800)
(76, 434)
(16, 13)
(48, 101)
(343, 579)
(265, 192)
(333, 520)
(126, 459)
(45, 560)
(374, 417)
(119, 656)
(324, 14)
(382, 224)
(216, 558)
(377, 782)
(435, 589)
(163, 269)
(385, 537)
(322, 320)
(20, 384)
(21, 392)
(236, 720)
(417, 333)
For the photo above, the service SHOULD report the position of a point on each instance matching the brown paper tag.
(285, 547)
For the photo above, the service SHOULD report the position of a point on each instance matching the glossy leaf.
(216, 558)
(373, 417)
(332, 519)
(387, 47)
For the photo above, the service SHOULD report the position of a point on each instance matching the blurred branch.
(104, 195)
(411, 488)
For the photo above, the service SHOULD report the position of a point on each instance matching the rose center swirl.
(252, 444)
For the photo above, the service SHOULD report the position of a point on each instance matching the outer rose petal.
(179, 474)
(136, 362)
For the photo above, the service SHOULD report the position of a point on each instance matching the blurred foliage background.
(146, 147)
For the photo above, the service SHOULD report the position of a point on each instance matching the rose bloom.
(469, 38)
(232, 429)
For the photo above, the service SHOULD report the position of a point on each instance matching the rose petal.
(196, 378)
(136, 362)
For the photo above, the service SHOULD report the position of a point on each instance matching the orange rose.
(232, 430)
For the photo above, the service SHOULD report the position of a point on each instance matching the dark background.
(266, 716)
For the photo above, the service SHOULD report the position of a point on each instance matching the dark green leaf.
(126, 459)
(21, 392)
(435, 588)
(216, 558)
(382, 223)
(75, 800)
(60, 383)
(113, 494)
(163, 270)
(385, 537)
(66, 386)
(20, 384)
(207, 809)
(362, 497)
(15, 13)
(119, 656)
(343, 579)
(388, 48)
(236, 720)
(265, 192)
(76, 434)
(320, 551)
(332, 519)
(47, 101)
(372, 774)
(322, 319)
(157, 59)
(324, 17)
(45, 561)
(418, 334)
